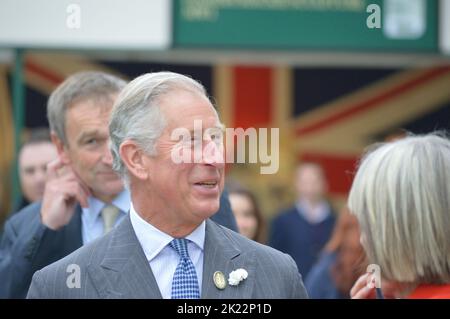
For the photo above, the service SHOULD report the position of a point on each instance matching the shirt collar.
(122, 201)
(92, 212)
(321, 211)
(153, 241)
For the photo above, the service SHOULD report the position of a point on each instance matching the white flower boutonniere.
(237, 276)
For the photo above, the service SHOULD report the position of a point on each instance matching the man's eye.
(29, 170)
(91, 141)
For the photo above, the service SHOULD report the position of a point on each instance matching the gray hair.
(136, 114)
(401, 196)
(78, 87)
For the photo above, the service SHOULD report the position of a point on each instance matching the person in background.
(341, 262)
(33, 158)
(400, 196)
(83, 197)
(249, 218)
(302, 230)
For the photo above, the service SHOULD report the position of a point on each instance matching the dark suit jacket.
(115, 266)
(294, 235)
(27, 245)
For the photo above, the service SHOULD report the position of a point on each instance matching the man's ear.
(60, 148)
(134, 159)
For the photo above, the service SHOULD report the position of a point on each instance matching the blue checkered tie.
(185, 283)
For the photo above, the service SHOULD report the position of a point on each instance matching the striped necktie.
(109, 216)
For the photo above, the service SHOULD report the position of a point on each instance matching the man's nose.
(213, 154)
(40, 174)
(107, 156)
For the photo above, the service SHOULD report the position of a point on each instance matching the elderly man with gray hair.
(168, 247)
(401, 197)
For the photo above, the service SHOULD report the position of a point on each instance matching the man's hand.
(63, 190)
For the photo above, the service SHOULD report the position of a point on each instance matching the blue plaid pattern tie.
(185, 283)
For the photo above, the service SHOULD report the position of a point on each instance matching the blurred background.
(334, 76)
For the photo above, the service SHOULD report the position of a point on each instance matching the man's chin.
(208, 209)
(111, 178)
(110, 188)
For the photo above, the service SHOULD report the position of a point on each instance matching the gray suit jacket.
(28, 246)
(115, 266)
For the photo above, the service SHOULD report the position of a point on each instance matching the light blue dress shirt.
(316, 215)
(162, 258)
(91, 220)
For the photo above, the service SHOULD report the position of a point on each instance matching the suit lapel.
(124, 272)
(73, 232)
(221, 253)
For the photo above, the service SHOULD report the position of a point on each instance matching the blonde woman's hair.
(401, 196)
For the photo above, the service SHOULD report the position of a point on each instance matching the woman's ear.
(134, 159)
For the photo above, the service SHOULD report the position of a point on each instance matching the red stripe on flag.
(42, 72)
(252, 96)
(374, 101)
(339, 170)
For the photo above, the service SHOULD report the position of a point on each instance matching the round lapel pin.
(219, 280)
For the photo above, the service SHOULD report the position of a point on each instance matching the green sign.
(389, 25)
